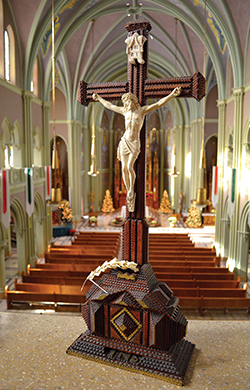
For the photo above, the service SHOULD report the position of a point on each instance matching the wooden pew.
(190, 272)
(66, 266)
(225, 303)
(57, 272)
(208, 292)
(59, 280)
(45, 296)
(218, 283)
(53, 258)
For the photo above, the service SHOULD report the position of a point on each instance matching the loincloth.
(128, 147)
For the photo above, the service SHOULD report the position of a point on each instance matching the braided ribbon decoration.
(114, 263)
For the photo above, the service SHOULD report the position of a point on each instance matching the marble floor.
(33, 356)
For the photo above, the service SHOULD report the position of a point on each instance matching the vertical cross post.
(135, 228)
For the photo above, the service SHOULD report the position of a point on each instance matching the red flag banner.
(5, 198)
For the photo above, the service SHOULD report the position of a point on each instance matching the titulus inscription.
(122, 356)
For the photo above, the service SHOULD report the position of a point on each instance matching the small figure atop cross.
(135, 228)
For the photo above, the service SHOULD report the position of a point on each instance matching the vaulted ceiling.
(87, 50)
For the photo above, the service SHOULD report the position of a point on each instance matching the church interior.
(62, 184)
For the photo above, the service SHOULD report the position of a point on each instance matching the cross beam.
(135, 228)
(191, 86)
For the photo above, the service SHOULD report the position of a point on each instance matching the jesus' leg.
(132, 176)
(131, 172)
(125, 173)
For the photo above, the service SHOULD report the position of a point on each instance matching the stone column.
(27, 128)
(221, 104)
(185, 178)
(98, 179)
(74, 168)
(195, 157)
(46, 132)
(49, 230)
(238, 119)
(162, 157)
(111, 159)
(47, 222)
(86, 159)
(2, 267)
(179, 165)
(28, 161)
(31, 241)
(22, 249)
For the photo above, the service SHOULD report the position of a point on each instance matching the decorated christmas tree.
(107, 205)
(67, 214)
(193, 218)
(165, 206)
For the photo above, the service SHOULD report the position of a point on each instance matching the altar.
(62, 230)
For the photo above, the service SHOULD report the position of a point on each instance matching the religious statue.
(129, 146)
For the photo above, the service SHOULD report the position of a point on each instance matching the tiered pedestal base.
(170, 365)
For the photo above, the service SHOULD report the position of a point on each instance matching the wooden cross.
(135, 228)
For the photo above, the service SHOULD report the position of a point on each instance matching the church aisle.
(33, 356)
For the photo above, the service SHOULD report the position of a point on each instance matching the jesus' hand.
(95, 97)
(176, 92)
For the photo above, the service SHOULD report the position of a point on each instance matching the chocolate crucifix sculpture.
(135, 228)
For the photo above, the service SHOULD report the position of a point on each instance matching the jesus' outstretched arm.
(105, 103)
(176, 92)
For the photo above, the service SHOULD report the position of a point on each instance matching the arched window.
(37, 146)
(35, 79)
(9, 55)
(6, 56)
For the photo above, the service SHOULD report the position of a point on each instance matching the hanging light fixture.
(201, 196)
(93, 169)
(174, 172)
(55, 159)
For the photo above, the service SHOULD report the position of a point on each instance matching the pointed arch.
(2, 234)
(39, 206)
(19, 215)
(243, 235)
(7, 129)
(21, 227)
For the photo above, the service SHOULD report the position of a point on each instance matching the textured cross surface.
(137, 324)
(135, 229)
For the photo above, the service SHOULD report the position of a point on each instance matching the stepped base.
(170, 365)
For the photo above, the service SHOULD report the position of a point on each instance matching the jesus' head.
(130, 101)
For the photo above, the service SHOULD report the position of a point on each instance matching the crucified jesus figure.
(129, 146)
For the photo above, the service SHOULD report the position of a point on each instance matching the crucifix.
(134, 321)
(135, 227)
